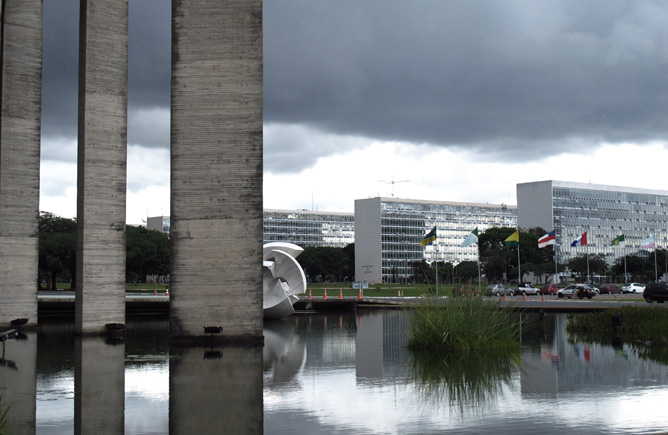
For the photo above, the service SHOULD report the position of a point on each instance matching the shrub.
(462, 323)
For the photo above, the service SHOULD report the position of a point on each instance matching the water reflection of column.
(99, 386)
(215, 390)
(369, 345)
(18, 383)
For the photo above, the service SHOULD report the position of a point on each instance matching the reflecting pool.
(341, 373)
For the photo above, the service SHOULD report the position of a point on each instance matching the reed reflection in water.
(463, 378)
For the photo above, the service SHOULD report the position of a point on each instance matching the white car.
(527, 289)
(633, 287)
(569, 291)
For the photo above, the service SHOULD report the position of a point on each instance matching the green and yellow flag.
(429, 238)
(513, 240)
(619, 241)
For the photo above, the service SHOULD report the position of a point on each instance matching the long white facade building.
(604, 212)
(305, 228)
(388, 232)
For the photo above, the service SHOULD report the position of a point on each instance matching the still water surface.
(337, 373)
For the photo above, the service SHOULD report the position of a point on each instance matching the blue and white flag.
(648, 243)
(580, 241)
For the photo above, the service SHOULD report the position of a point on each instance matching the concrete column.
(99, 386)
(102, 161)
(215, 390)
(18, 383)
(21, 95)
(216, 168)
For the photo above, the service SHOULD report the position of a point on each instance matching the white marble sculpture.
(283, 279)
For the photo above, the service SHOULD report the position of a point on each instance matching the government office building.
(604, 212)
(308, 229)
(388, 232)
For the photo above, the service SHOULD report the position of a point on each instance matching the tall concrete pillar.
(216, 168)
(102, 161)
(99, 386)
(216, 390)
(21, 95)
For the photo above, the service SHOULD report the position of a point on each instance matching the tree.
(597, 265)
(324, 264)
(57, 249)
(497, 261)
(423, 272)
(467, 271)
(349, 252)
(147, 253)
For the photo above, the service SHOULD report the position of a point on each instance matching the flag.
(580, 241)
(429, 238)
(513, 240)
(619, 241)
(547, 239)
(471, 238)
(648, 243)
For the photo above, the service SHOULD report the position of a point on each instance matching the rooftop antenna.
(393, 182)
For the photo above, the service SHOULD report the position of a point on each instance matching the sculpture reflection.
(284, 354)
(463, 378)
(283, 279)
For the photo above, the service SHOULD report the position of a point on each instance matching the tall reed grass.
(462, 323)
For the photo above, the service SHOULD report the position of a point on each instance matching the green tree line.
(147, 251)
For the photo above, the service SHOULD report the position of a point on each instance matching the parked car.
(586, 291)
(610, 288)
(550, 289)
(499, 289)
(464, 290)
(527, 289)
(633, 287)
(656, 291)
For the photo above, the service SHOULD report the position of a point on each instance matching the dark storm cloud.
(517, 79)
(149, 51)
(513, 78)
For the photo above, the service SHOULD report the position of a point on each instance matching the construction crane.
(393, 182)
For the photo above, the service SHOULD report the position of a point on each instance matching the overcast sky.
(438, 100)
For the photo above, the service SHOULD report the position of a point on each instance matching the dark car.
(656, 291)
(550, 289)
(610, 288)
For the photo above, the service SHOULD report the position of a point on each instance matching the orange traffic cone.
(542, 298)
(325, 296)
(504, 297)
(525, 297)
(360, 295)
(310, 296)
(155, 292)
(167, 291)
(340, 293)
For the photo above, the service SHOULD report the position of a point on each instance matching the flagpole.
(478, 247)
(436, 267)
(587, 253)
(519, 268)
(624, 252)
(656, 276)
(556, 271)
